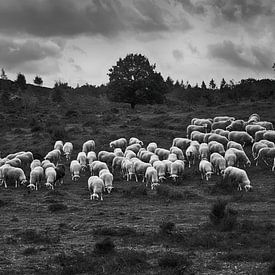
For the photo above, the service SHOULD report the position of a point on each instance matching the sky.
(78, 41)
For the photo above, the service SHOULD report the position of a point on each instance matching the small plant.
(166, 228)
(105, 246)
(115, 231)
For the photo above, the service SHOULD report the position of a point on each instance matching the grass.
(105, 246)
(166, 191)
(54, 207)
(29, 251)
(115, 231)
(135, 190)
(166, 228)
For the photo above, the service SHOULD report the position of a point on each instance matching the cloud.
(193, 48)
(192, 8)
(254, 58)
(178, 54)
(49, 18)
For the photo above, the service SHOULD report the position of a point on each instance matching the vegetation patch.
(135, 190)
(115, 231)
(29, 251)
(176, 263)
(166, 228)
(166, 191)
(54, 207)
(3, 203)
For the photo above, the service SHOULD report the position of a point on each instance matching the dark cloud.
(253, 58)
(13, 53)
(46, 18)
(178, 54)
(192, 8)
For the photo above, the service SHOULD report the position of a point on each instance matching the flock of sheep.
(216, 145)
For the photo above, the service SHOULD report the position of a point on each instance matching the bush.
(57, 132)
(105, 246)
(167, 228)
(175, 261)
(136, 190)
(29, 251)
(168, 192)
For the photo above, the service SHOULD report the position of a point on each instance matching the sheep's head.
(109, 189)
(49, 185)
(94, 196)
(75, 177)
(154, 185)
(31, 186)
(248, 187)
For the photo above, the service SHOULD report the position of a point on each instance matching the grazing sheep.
(203, 122)
(151, 176)
(192, 128)
(161, 169)
(253, 118)
(82, 159)
(134, 147)
(127, 167)
(119, 143)
(107, 178)
(269, 135)
(153, 158)
(53, 156)
(151, 147)
(35, 163)
(3, 171)
(60, 173)
(182, 143)
(50, 175)
(206, 137)
(68, 149)
(36, 177)
(167, 164)
(11, 156)
(192, 154)
(259, 135)
(198, 136)
(237, 175)
(15, 162)
(26, 159)
(162, 153)
(46, 164)
(266, 124)
(117, 164)
(58, 145)
(233, 144)
(264, 154)
(256, 147)
(75, 169)
(204, 151)
(97, 166)
(146, 155)
(177, 169)
(15, 175)
(91, 156)
(172, 157)
(221, 132)
(217, 147)
(96, 187)
(219, 138)
(176, 150)
(252, 129)
(236, 125)
(129, 154)
(221, 124)
(88, 146)
(106, 157)
(223, 118)
(206, 169)
(134, 140)
(140, 169)
(242, 158)
(241, 137)
(230, 157)
(118, 152)
(218, 162)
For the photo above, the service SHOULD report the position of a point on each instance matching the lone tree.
(212, 84)
(21, 81)
(134, 80)
(3, 74)
(38, 80)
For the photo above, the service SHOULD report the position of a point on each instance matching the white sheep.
(198, 136)
(129, 154)
(96, 166)
(127, 167)
(269, 135)
(119, 143)
(206, 169)
(234, 144)
(53, 156)
(35, 163)
(236, 125)
(153, 158)
(176, 150)
(50, 175)
(230, 157)
(96, 187)
(68, 149)
(36, 177)
(82, 159)
(266, 124)
(134, 147)
(106, 157)
(167, 164)
(75, 169)
(139, 168)
(177, 169)
(88, 146)
(191, 128)
(265, 154)
(202, 122)
(259, 135)
(241, 137)
(253, 118)
(162, 153)
(117, 164)
(151, 147)
(146, 155)
(26, 159)
(221, 124)
(192, 154)
(107, 178)
(161, 169)
(15, 162)
(182, 143)
(221, 132)
(46, 164)
(91, 156)
(242, 158)
(218, 162)
(58, 145)
(3, 171)
(223, 118)
(237, 175)
(251, 129)
(219, 138)
(217, 147)
(134, 140)
(16, 175)
(172, 157)
(204, 151)
(151, 177)
(118, 152)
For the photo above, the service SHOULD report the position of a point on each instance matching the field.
(134, 229)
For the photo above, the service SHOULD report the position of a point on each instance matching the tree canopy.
(134, 80)
(38, 80)
(21, 81)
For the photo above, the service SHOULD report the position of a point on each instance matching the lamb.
(162, 153)
(204, 151)
(107, 178)
(241, 137)
(118, 152)
(219, 138)
(206, 169)
(151, 147)
(269, 135)
(88, 146)
(106, 157)
(96, 187)
(177, 169)
(161, 169)
(177, 151)
(223, 118)
(60, 173)
(264, 154)
(68, 149)
(119, 143)
(221, 124)
(53, 156)
(96, 166)
(91, 156)
(191, 128)
(233, 144)
(134, 147)
(237, 175)
(134, 140)
(82, 159)
(218, 162)
(50, 175)
(217, 147)
(151, 177)
(230, 157)
(252, 129)
(75, 169)
(16, 175)
(139, 168)
(242, 158)
(35, 163)
(36, 176)
(58, 145)
(15, 162)
(237, 125)
(182, 143)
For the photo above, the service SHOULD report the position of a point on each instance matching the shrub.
(105, 246)
(175, 261)
(168, 192)
(29, 251)
(167, 228)
(136, 190)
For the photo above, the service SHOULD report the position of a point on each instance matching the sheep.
(96, 166)
(191, 128)
(172, 157)
(91, 156)
(145, 156)
(176, 150)
(151, 176)
(75, 169)
(252, 129)
(203, 122)
(129, 154)
(118, 152)
(106, 157)
(127, 167)
(134, 147)
(264, 154)
(46, 163)
(68, 149)
(107, 178)
(182, 143)
(230, 157)
(256, 147)
(82, 159)
(219, 138)
(217, 147)
(161, 169)
(237, 175)
(259, 135)
(15, 162)
(221, 124)
(11, 156)
(119, 143)
(35, 163)
(203, 151)
(206, 169)
(151, 147)
(221, 132)
(60, 173)
(269, 144)
(3, 171)
(153, 159)
(167, 164)
(233, 144)
(253, 118)
(88, 146)
(241, 137)
(96, 187)
(26, 158)
(236, 125)
(139, 168)
(192, 154)
(16, 175)
(223, 118)
(162, 153)
(177, 169)
(266, 124)
(242, 158)
(269, 135)
(198, 136)
(117, 163)
(58, 145)
(134, 140)
(36, 176)
(218, 162)
(206, 137)
(141, 151)
(53, 156)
